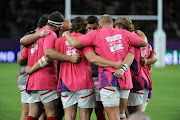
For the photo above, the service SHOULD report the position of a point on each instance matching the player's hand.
(118, 73)
(17, 74)
(28, 70)
(138, 31)
(65, 33)
(143, 61)
(76, 58)
(150, 68)
(118, 65)
(44, 33)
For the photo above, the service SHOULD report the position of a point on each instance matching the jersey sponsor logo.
(34, 47)
(115, 42)
(143, 51)
(70, 50)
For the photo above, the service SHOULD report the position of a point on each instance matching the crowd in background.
(20, 16)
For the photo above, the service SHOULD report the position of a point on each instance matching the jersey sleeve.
(151, 50)
(49, 41)
(57, 44)
(134, 39)
(88, 49)
(131, 49)
(24, 52)
(87, 39)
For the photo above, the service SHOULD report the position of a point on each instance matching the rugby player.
(141, 82)
(22, 77)
(43, 83)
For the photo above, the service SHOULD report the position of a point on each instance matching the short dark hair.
(92, 20)
(42, 21)
(79, 25)
(56, 17)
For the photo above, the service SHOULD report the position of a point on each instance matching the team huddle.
(88, 64)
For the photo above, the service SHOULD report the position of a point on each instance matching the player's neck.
(107, 26)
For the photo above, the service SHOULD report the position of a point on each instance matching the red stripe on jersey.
(65, 96)
(88, 95)
(46, 92)
(23, 90)
(138, 93)
(108, 89)
(147, 101)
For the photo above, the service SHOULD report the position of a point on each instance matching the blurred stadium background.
(21, 16)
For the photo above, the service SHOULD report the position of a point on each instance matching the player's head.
(92, 23)
(65, 27)
(124, 23)
(79, 25)
(105, 20)
(56, 20)
(42, 21)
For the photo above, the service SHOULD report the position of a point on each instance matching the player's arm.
(144, 38)
(73, 41)
(56, 55)
(31, 38)
(126, 63)
(43, 62)
(101, 62)
(17, 74)
(128, 59)
(151, 60)
(21, 60)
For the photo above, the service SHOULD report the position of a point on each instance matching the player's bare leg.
(85, 113)
(123, 105)
(25, 111)
(113, 112)
(70, 112)
(35, 109)
(51, 108)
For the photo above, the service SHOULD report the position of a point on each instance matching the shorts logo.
(115, 42)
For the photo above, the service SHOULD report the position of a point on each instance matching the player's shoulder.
(78, 35)
(60, 39)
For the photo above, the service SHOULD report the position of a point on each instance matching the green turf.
(164, 105)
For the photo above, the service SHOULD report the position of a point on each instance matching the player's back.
(73, 76)
(111, 43)
(46, 78)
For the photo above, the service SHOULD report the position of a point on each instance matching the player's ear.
(121, 27)
(100, 26)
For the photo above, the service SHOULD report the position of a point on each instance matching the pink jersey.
(74, 77)
(145, 52)
(45, 78)
(112, 44)
(139, 79)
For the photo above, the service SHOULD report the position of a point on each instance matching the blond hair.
(124, 22)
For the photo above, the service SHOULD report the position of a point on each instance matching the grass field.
(164, 105)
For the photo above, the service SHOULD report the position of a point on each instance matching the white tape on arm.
(124, 67)
(44, 64)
